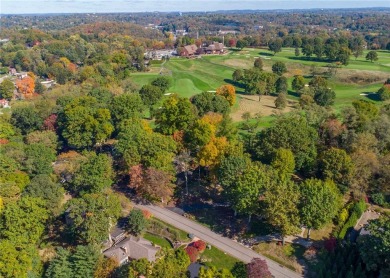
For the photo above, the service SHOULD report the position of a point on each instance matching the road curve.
(227, 245)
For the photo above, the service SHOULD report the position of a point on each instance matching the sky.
(111, 6)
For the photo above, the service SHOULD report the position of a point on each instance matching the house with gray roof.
(132, 248)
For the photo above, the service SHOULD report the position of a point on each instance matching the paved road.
(225, 244)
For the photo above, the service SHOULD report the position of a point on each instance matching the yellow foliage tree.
(228, 92)
(211, 154)
(212, 118)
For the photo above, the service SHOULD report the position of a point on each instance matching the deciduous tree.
(24, 221)
(83, 124)
(258, 268)
(26, 119)
(228, 92)
(7, 88)
(136, 222)
(320, 202)
(337, 165)
(289, 132)
(298, 83)
(279, 68)
(175, 114)
(280, 206)
(94, 174)
(372, 56)
(374, 248)
(26, 86)
(92, 216)
(126, 106)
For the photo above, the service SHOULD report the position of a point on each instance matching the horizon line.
(209, 11)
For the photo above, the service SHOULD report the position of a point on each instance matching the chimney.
(124, 249)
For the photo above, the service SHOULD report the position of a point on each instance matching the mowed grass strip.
(219, 259)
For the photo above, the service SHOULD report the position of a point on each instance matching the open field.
(193, 76)
(264, 107)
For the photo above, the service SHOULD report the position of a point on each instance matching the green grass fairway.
(193, 76)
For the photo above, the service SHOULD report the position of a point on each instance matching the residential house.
(181, 32)
(225, 32)
(132, 248)
(4, 103)
(189, 51)
(215, 48)
(12, 71)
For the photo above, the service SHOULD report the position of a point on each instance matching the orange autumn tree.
(228, 92)
(26, 86)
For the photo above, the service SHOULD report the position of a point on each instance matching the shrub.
(147, 214)
(200, 245)
(384, 92)
(343, 216)
(378, 199)
(136, 222)
(356, 211)
(192, 253)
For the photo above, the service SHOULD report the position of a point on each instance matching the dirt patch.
(361, 77)
(239, 63)
(251, 104)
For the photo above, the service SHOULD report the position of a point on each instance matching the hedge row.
(355, 213)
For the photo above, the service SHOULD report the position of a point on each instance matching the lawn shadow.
(372, 96)
(294, 94)
(309, 59)
(266, 54)
(259, 227)
(234, 83)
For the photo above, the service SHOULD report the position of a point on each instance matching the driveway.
(227, 245)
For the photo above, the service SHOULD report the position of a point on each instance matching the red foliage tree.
(232, 42)
(330, 244)
(136, 177)
(200, 245)
(151, 183)
(258, 268)
(50, 123)
(192, 253)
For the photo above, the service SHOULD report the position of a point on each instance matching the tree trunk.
(199, 176)
(283, 240)
(235, 213)
(185, 176)
(249, 219)
(308, 233)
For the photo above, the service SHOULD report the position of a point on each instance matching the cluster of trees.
(82, 54)
(357, 260)
(259, 82)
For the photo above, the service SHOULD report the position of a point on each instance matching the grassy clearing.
(217, 258)
(287, 255)
(321, 234)
(193, 76)
(163, 229)
(158, 240)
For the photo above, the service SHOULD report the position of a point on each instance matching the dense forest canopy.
(91, 124)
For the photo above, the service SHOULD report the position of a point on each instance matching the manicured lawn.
(157, 226)
(160, 241)
(193, 76)
(218, 258)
